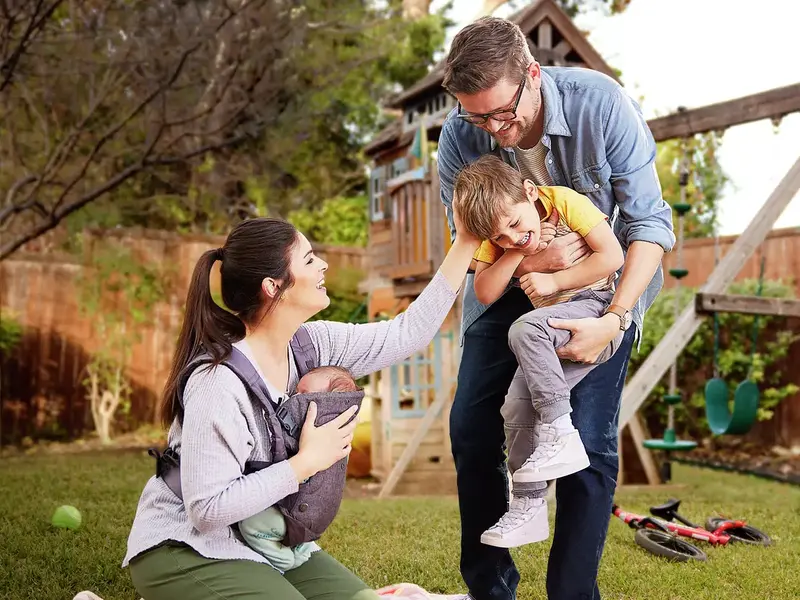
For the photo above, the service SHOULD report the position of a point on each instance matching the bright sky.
(677, 52)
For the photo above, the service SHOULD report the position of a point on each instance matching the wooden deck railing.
(418, 229)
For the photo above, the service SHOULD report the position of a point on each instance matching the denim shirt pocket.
(592, 179)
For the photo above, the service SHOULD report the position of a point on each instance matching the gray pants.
(541, 386)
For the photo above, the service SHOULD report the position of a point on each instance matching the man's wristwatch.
(625, 316)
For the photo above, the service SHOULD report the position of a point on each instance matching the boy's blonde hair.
(481, 192)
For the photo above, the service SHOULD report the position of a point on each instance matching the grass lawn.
(384, 541)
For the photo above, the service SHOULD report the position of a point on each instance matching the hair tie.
(220, 254)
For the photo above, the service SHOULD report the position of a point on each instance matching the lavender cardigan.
(222, 429)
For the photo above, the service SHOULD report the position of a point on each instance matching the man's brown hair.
(481, 192)
(483, 53)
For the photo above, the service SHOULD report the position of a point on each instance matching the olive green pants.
(174, 572)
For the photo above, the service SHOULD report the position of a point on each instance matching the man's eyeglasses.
(501, 114)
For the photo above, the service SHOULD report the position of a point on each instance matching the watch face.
(626, 320)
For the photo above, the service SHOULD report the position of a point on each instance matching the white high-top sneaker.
(556, 455)
(524, 523)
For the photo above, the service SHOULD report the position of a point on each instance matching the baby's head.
(327, 379)
(496, 203)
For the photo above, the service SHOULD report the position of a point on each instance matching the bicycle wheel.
(747, 534)
(667, 545)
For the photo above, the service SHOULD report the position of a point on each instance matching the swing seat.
(745, 407)
(670, 446)
(670, 443)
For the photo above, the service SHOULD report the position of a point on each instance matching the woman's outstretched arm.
(369, 347)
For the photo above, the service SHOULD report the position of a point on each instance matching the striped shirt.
(532, 164)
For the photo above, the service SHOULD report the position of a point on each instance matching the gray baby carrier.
(310, 510)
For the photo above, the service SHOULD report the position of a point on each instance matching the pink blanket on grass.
(409, 591)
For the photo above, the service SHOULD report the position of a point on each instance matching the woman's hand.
(462, 235)
(321, 447)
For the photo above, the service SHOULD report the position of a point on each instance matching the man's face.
(521, 227)
(503, 95)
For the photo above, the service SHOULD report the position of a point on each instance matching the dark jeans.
(477, 436)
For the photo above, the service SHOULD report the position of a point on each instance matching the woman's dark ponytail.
(206, 327)
(255, 250)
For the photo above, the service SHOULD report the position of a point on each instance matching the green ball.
(67, 517)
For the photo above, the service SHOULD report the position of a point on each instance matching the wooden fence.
(782, 252)
(42, 393)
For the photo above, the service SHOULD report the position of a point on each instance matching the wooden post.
(675, 340)
(413, 444)
(746, 305)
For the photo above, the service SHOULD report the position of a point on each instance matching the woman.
(274, 283)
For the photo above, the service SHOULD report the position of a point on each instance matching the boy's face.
(521, 227)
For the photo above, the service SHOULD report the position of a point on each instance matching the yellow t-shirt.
(576, 213)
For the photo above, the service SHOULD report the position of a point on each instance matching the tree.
(192, 114)
(97, 93)
(338, 221)
(118, 293)
(705, 183)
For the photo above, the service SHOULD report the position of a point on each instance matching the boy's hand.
(536, 285)
(548, 231)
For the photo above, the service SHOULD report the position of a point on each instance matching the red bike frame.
(716, 537)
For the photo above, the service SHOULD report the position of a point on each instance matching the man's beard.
(516, 132)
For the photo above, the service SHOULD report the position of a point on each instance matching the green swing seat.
(670, 443)
(721, 419)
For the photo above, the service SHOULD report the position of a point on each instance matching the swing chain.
(754, 337)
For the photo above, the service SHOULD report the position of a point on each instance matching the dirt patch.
(774, 461)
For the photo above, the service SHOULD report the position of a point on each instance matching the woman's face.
(308, 294)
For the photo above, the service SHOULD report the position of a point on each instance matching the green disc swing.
(670, 443)
(721, 419)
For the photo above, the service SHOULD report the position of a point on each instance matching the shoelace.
(515, 516)
(543, 450)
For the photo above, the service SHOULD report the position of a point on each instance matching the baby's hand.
(536, 285)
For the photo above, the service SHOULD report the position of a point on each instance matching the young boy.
(264, 531)
(497, 205)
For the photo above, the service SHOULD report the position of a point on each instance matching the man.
(558, 126)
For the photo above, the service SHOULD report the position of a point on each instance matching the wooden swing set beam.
(772, 104)
(706, 304)
(675, 340)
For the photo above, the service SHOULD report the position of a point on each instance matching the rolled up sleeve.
(644, 215)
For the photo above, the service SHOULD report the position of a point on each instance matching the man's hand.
(589, 336)
(561, 253)
(536, 285)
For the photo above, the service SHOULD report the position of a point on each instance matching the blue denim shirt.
(598, 143)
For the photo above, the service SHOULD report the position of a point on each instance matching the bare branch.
(39, 14)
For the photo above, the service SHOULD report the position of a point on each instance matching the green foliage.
(347, 305)
(338, 221)
(706, 181)
(695, 364)
(10, 332)
(117, 293)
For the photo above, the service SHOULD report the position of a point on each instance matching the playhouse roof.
(553, 37)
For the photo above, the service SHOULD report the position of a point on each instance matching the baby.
(265, 531)
(326, 379)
